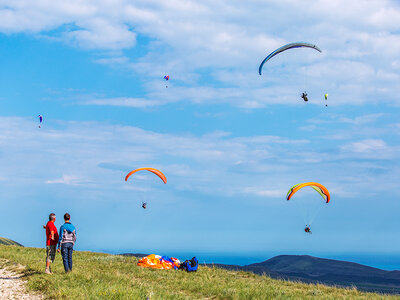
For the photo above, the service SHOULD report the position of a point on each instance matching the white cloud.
(358, 64)
(372, 146)
(258, 191)
(128, 102)
(95, 157)
(362, 120)
(101, 34)
(68, 180)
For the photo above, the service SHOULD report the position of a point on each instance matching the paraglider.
(166, 77)
(40, 120)
(326, 99)
(284, 48)
(304, 96)
(322, 190)
(287, 47)
(152, 170)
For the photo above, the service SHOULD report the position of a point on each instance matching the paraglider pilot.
(144, 205)
(304, 96)
(307, 229)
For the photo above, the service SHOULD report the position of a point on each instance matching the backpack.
(68, 237)
(190, 265)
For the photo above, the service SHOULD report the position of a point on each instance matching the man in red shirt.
(51, 241)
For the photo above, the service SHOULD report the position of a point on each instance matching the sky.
(230, 142)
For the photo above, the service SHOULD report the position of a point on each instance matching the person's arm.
(60, 236)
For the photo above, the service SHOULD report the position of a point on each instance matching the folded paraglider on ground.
(155, 261)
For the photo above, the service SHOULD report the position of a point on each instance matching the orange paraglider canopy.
(152, 170)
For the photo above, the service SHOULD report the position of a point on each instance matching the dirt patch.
(13, 287)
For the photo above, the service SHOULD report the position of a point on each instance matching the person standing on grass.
(51, 241)
(66, 241)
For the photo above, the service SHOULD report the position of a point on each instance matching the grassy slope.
(103, 276)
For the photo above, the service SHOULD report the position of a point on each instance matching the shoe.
(47, 271)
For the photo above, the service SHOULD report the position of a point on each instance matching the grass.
(103, 276)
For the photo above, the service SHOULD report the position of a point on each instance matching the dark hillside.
(4, 241)
(328, 271)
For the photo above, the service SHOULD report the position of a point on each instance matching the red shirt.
(49, 228)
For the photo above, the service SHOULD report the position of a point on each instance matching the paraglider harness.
(304, 96)
(307, 229)
(144, 205)
(190, 265)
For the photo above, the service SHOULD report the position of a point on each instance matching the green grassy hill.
(4, 241)
(103, 276)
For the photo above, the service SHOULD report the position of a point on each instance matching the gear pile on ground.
(155, 261)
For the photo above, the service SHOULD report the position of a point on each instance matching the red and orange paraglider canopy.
(152, 170)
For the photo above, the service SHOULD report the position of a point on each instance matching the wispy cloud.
(378, 148)
(92, 154)
(186, 39)
(128, 102)
(68, 180)
(365, 119)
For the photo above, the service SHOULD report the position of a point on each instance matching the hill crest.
(312, 269)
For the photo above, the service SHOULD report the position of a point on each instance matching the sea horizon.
(384, 261)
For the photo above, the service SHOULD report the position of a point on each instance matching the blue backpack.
(190, 265)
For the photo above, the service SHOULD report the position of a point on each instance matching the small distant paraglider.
(166, 78)
(304, 96)
(40, 117)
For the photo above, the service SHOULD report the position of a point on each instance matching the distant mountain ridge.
(134, 254)
(311, 269)
(5, 241)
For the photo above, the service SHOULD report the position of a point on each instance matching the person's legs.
(50, 256)
(48, 262)
(64, 254)
(70, 250)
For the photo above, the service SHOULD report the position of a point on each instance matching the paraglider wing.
(166, 77)
(287, 47)
(323, 191)
(152, 170)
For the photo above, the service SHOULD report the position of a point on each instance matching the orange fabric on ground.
(155, 261)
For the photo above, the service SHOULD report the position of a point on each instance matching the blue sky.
(230, 142)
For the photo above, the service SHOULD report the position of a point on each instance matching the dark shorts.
(51, 253)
